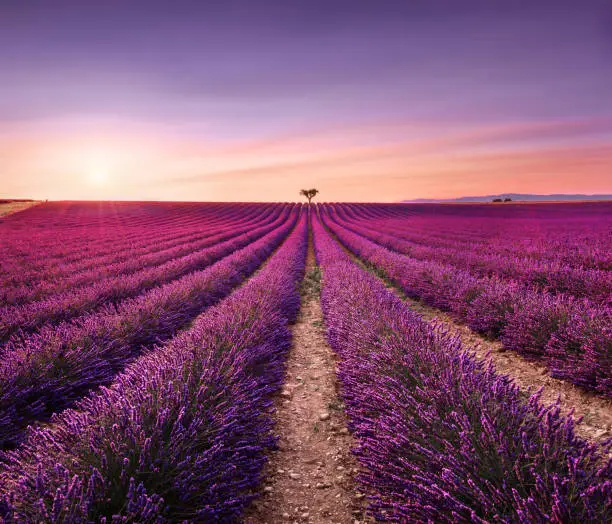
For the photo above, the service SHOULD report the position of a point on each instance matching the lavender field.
(145, 350)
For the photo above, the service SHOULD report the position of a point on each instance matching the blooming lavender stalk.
(545, 270)
(52, 369)
(55, 239)
(573, 235)
(440, 436)
(525, 320)
(28, 286)
(73, 302)
(182, 434)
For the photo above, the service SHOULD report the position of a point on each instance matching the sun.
(98, 176)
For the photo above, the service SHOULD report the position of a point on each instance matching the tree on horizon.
(309, 193)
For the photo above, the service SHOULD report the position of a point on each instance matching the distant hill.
(516, 197)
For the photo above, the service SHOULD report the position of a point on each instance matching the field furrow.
(553, 276)
(57, 366)
(592, 412)
(310, 477)
(183, 433)
(73, 303)
(569, 336)
(320, 363)
(138, 240)
(441, 437)
(28, 289)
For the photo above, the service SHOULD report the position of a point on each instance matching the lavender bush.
(28, 286)
(182, 434)
(51, 369)
(53, 240)
(524, 319)
(441, 437)
(73, 302)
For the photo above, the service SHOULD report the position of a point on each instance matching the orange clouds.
(377, 161)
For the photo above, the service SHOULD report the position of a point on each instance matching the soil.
(592, 412)
(9, 208)
(595, 411)
(310, 477)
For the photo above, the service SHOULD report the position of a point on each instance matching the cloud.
(330, 148)
(398, 158)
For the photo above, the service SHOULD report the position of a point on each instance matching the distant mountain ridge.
(516, 197)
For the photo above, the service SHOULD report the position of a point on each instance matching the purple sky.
(211, 94)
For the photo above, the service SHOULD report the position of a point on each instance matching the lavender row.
(441, 437)
(576, 235)
(52, 369)
(571, 337)
(104, 247)
(28, 291)
(552, 276)
(74, 302)
(59, 229)
(516, 248)
(182, 435)
(54, 246)
(95, 248)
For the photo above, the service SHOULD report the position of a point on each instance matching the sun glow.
(99, 167)
(98, 176)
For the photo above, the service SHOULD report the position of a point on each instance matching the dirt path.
(595, 411)
(9, 208)
(310, 477)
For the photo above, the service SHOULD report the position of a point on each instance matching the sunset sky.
(378, 100)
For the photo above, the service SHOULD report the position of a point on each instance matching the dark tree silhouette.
(309, 193)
